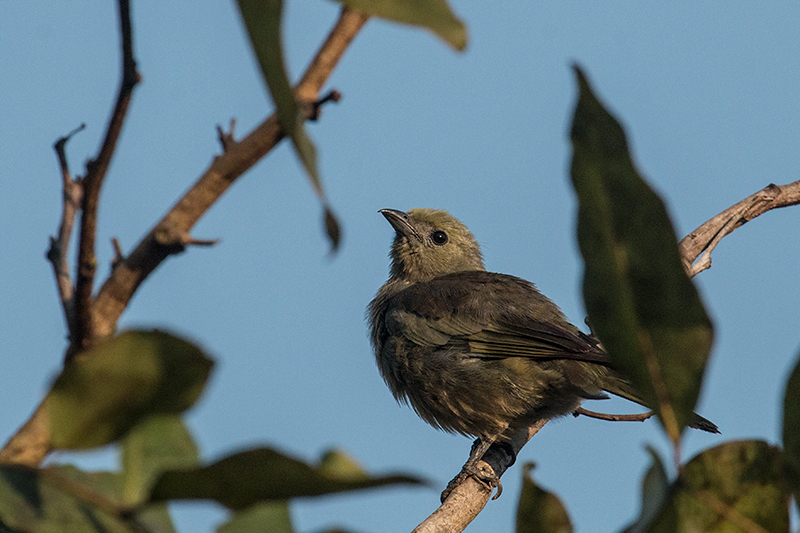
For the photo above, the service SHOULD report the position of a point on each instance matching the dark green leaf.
(736, 486)
(109, 389)
(655, 490)
(157, 444)
(540, 511)
(273, 517)
(262, 18)
(64, 498)
(434, 15)
(259, 475)
(791, 432)
(641, 304)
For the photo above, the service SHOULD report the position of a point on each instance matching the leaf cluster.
(132, 390)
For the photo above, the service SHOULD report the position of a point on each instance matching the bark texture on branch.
(696, 247)
(82, 334)
(468, 499)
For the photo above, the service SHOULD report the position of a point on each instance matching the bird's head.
(430, 243)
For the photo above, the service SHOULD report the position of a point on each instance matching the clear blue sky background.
(708, 92)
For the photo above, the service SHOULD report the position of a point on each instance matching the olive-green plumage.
(475, 352)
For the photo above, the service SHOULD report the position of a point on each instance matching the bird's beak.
(400, 222)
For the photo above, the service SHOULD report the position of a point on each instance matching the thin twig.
(702, 241)
(118, 257)
(59, 246)
(612, 418)
(314, 109)
(92, 183)
(226, 138)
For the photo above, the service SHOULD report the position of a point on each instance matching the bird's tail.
(619, 386)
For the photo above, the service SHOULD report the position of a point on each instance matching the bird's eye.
(439, 237)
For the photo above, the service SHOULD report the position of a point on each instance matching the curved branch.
(696, 247)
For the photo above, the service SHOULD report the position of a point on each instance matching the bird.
(474, 352)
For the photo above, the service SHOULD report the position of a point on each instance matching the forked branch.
(72, 196)
(170, 235)
(82, 334)
(172, 232)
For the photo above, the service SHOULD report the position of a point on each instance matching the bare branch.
(59, 246)
(466, 500)
(314, 109)
(696, 247)
(31, 443)
(117, 291)
(92, 183)
(612, 418)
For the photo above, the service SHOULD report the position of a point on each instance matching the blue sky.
(706, 90)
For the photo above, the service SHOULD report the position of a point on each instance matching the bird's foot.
(481, 472)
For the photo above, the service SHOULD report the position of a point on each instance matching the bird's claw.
(482, 473)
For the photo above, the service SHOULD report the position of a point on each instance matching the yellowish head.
(430, 243)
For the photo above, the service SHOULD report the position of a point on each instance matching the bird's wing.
(495, 315)
(534, 339)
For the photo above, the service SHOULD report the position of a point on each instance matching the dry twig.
(696, 247)
(83, 333)
(59, 246)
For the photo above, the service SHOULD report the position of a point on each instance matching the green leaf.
(791, 432)
(153, 446)
(339, 465)
(540, 511)
(655, 490)
(434, 15)
(273, 517)
(107, 390)
(736, 486)
(262, 18)
(63, 498)
(641, 304)
(259, 475)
